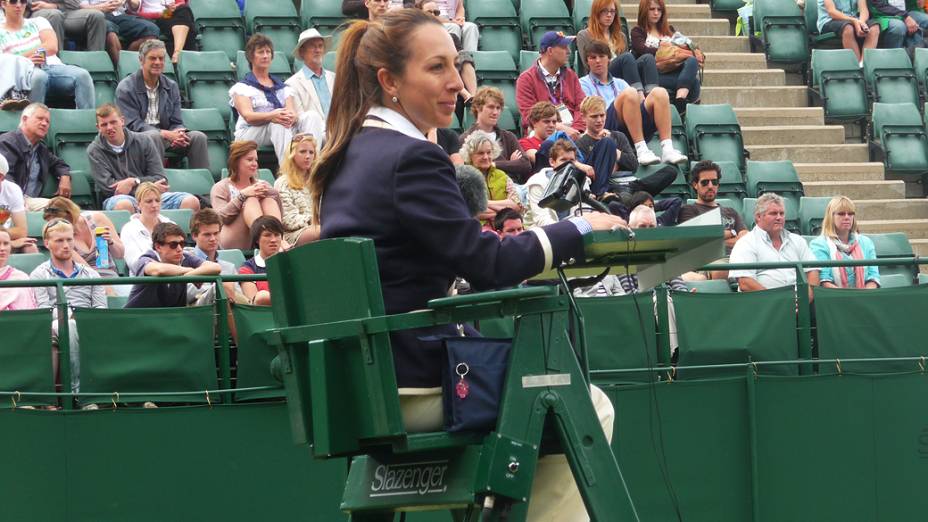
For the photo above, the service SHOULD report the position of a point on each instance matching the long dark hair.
(365, 48)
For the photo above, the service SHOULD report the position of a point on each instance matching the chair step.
(760, 116)
(856, 190)
(780, 96)
(792, 134)
(743, 77)
(811, 153)
(839, 172)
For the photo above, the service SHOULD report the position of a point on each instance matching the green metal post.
(64, 346)
(750, 378)
(663, 325)
(804, 327)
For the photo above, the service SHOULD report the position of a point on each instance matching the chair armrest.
(489, 297)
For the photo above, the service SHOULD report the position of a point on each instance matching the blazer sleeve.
(430, 208)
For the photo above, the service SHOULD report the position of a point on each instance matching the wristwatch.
(137, 181)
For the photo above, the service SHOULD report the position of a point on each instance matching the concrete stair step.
(724, 44)
(678, 2)
(782, 96)
(916, 229)
(630, 11)
(839, 172)
(792, 134)
(761, 116)
(696, 28)
(743, 78)
(856, 190)
(740, 61)
(811, 153)
(893, 209)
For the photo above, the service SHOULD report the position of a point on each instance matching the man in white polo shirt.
(769, 242)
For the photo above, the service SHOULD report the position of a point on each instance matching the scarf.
(269, 92)
(839, 252)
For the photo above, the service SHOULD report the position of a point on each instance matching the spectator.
(242, 198)
(507, 223)
(172, 17)
(452, 16)
(562, 151)
(266, 239)
(265, 106)
(133, 30)
(376, 8)
(478, 150)
(24, 37)
(465, 61)
(167, 259)
(293, 186)
(312, 85)
(150, 102)
(627, 113)
(851, 20)
(30, 161)
(901, 22)
(136, 234)
(13, 213)
(604, 25)
(71, 19)
(449, 141)
(841, 240)
(769, 242)
(651, 31)
(543, 120)
(358, 8)
(205, 227)
(20, 298)
(120, 160)
(487, 105)
(669, 207)
(85, 225)
(550, 79)
(58, 235)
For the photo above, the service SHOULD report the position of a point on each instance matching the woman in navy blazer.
(379, 177)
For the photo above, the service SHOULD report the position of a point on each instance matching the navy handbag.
(472, 382)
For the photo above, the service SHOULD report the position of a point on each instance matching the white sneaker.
(90, 407)
(672, 156)
(647, 157)
(149, 405)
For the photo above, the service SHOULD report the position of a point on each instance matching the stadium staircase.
(777, 124)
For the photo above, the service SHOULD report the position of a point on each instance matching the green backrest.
(527, 59)
(220, 26)
(147, 350)
(886, 322)
(69, 134)
(100, 67)
(254, 355)
(234, 256)
(501, 35)
(180, 216)
(783, 30)
(921, 67)
(901, 134)
(893, 244)
(328, 61)
(811, 214)
(732, 183)
(198, 182)
(580, 12)
(27, 262)
(747, 212)
(840, 82)
(324, 15)
(718, 328)
(894, 114)
(772, 176)
(129, 63)
(343, 375)
(725, 5)
(617, 337)
(263, 174)
(118, 217)
(890, 76)
(205, 77)
(276, 19)
(540, 16)
(280, 65)
(830, 60)
(215, 9)
(25, 354)
(678, 188)
(714, 133)
(82, 193)
(495, 65)
(711, 286)
(9, 120)
(34, 224)
(210, 122)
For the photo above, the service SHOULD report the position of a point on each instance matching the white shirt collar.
(397, 121)
(259, 261)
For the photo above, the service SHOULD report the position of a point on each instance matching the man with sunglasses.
(167, 259)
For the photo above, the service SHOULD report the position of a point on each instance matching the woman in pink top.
(175, 17)
(20, 298)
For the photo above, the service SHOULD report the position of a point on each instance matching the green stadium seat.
(499, 25)
(219, 26)
(747, 212)
(810, 11)
(527, 59)
(540, 16)
(840, 84)
(276, 19)
(714, 133)
(69, 134)
(324, 15)
(234, 256)
(680, 188)
(895, 280)
(608, 319)
(100, 67)
(129, 63)
(711, 286)
(263, 174)
(9, 120)
(890, 76)
(254, 355)
(280, 65)
(118, 217)
(34, 224)
(24, 354)
(210, 122)
(27, 263)
(725, 6)
(206, 77)
(921, 69)
(704, 340)
(180, 216)
(143, 355)
(779, 177)
(82, 192)
(898, 131)
(195, 181)
(894, 244)
(811, 214)
(782, 28)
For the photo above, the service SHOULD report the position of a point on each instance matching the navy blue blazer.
(402, 193)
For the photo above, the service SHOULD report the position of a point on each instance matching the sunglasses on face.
(845, 214)
(706, 182)
(173, 245)
(16, 2)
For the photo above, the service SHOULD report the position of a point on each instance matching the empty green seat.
(25, 354)
(324, 15)
(839, 82)
(180, 216)
(220, 26)
(540, 16)
(527, 59)
(276, 19)
(234, 256)
(280, 65)
(9, 120)
(499, 26)
(153, 350)
(714, 133)
(580, 12)
(82, 192)
(100, 67)
(129, 63)
(811, 214)
(254, 355)
(779, 177)
(195, 181)
(27, 262)
(614, 334)
(206, 77)
(893, 245)
(210, 122)
(263, 174)
(782, 27)
(34, 224)
(899, 133)
(118, 217)
(921, 69)
(890, 76)
(69, 134)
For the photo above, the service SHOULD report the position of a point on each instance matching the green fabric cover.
(617, 337)
(254, 355)
(26, 355)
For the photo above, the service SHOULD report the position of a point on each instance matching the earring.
(396, 100)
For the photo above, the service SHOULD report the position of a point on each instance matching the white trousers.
(279, 136)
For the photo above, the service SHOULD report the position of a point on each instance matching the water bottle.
(103, 248)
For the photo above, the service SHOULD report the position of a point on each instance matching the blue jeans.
(896, 35)
(169, 200)
(63, 81)
(640, 73)
(686, 77)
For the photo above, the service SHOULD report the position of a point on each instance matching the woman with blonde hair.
(136, 234)
(242, 198)
(841, 240)
(85, 240)
(478, 150)
(605, 25)
(293, 186)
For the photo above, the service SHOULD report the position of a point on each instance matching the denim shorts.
(169, 200)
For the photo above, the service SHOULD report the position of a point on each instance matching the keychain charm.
(461, 388)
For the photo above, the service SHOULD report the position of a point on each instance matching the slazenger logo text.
(417, 478)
